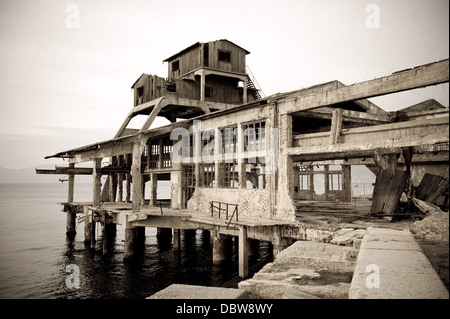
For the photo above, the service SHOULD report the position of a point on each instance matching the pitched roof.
(198, 44)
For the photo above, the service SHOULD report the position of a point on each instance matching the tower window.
(224, 56)
(175, 65)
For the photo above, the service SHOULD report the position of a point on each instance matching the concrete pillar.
(219, 248)
(202, 85)
(176, 239)
(153, 189)
(279, 245)
(136, 173)
(326, 177)
(130, 236)
(243, 252)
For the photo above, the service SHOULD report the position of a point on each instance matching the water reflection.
(156, 265)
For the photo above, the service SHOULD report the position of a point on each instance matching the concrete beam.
(418, 77)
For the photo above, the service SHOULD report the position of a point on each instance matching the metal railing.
(220, 208)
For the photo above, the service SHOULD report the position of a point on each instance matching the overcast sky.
(64, 85)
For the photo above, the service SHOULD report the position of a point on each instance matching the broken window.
(224, 56)
(229, 135)
(153, 155)
(255, 174)
(335, 182)
(254, 136)
(166, 152)
(230, 173)
(175, 65)
(171, 87)
(207, 174)
(140, 95)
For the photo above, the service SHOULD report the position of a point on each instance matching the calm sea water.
(34, 253)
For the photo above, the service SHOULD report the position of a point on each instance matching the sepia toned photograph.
(220, 158)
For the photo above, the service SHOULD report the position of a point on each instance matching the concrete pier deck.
(392, 265)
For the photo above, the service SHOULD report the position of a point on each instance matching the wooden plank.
(387, 191)
(431, 187)
(418, 77)
(82, 170)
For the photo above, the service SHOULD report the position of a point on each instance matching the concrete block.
(177, 291)
(392, 265)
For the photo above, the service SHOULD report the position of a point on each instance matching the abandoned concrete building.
(241, 164)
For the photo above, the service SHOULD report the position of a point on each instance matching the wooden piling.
(71, 222)
(176, 239)
(92, 232)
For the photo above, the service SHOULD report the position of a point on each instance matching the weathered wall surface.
(252, 202)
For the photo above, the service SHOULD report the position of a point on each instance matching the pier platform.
(392, 265)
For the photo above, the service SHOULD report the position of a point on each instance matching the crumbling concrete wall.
(433, 227)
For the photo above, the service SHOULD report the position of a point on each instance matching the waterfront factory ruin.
(242, 164)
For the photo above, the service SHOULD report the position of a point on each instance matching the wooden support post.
(120, 179)
(176, 239)
(92, 236)
(243, 252)
(71, 222)
(71, 185)
(96, 176)
(87, 226)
